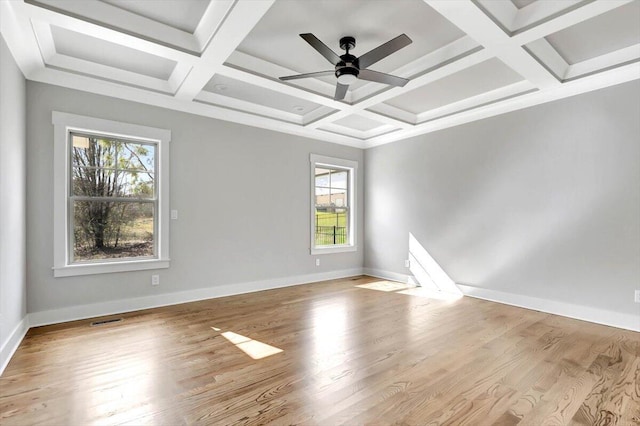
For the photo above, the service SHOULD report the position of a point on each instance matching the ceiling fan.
(348, 68)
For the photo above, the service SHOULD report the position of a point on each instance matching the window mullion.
(113, 199)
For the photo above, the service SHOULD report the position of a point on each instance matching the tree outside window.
(113, 198)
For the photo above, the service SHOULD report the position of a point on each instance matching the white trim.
(599, 80)
(555, 307)
(109, 267)
(226, 23)
(570, 310)
(10, 345)
(82, 26)
(240, 18)
(36, 319)
(314, 160)
(65, 122)
(386, 275)
(249, 107)
(495, 95)
(333, 249)
(73, 313)
(627, 54)
(565, 20)
(473, 21)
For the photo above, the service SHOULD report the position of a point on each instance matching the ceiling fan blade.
(384, 50)
(307, 75)
(380, 77)
(341, 91)
(321, 48)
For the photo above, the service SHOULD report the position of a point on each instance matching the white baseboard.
(79, 312)
(11, 344)
(35, 319)
(386, 275)
(584, 313)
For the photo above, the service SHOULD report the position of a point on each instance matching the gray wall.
(542, 202)
(12, 193)
(242, 194)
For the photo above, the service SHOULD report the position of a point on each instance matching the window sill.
(109, 267)
(333, 249)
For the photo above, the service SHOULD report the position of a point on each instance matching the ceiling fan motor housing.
(348, 65)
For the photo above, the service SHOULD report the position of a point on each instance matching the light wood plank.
(350, 355)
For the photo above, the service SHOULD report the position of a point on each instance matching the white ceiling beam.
(586, 84)
(247, 62)
(549, 56)
(608, 60)
(178, 75)
(105, 72)
(474, 101)
(226, 22)
(44, 36)
(505, 12)
(94, 30)
(539, 11)
(213, 16)
(573, 17)
(440, 56)
(155, 99)
(430, 77)
(80, 66)
(277, 86)
(242, 17)
(315, 114)
(394, 122)
(472, 20)
(358, 134)
(124, 21)
(343, 130)
(250, 107)
(392, 111)
(16, 30)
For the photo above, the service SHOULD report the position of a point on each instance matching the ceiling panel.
(603, 34)
(358, 122)
(522, 3)
(236, 89)
(276, 37)
(92, 49)
(222, 58)
(481, 78)
(180, 14)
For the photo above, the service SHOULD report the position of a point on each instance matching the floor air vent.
(103, 322)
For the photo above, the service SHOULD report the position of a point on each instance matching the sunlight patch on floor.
(410, 289)
(385, 286)
(254, 348)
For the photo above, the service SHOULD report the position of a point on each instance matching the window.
(111, 196)
(332, 205)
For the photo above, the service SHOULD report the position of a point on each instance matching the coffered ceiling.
(469, 59)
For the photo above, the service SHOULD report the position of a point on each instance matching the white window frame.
(352, 166)
(64, 124)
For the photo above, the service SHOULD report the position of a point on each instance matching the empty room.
(320, 212)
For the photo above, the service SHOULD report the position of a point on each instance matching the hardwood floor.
(348, 355)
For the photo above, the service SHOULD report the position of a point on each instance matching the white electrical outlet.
(155, 279)
(637, 299)
(317, 262)
(174, 214)
(407, 263)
